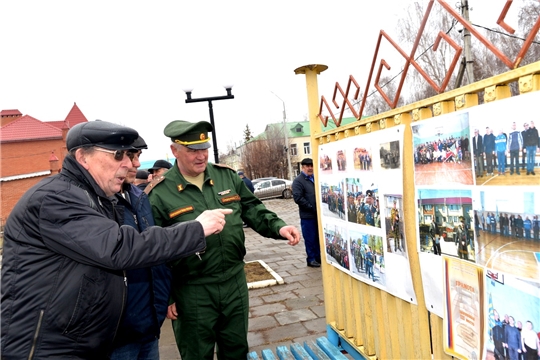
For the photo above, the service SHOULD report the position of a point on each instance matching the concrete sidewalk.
(279, 314)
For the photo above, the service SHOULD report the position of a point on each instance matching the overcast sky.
(129, 61)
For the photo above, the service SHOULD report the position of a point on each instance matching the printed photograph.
(446, 223)
(333, 199)
(336, 248)
(363, 159)
(362, 202)
(439, 151)
(393, 216)
(390, 155)
(507, 228)
(367, 256)
(512, 319)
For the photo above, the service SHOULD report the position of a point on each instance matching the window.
(428, 207)
(278, 182)
(294, 150)
(298, 129)
(307, 148)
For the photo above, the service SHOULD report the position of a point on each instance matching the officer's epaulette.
(225, 166)
(153, 184)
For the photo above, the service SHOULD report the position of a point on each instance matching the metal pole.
(467, 42)
(286, 138)
(214, 139)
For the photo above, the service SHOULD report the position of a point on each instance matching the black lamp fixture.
(229, 95)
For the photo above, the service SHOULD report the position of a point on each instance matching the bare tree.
(436, 63)
(265, 155)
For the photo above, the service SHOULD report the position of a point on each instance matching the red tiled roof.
(57, 124)
(28, 128)
(75, 116)
(10, 112)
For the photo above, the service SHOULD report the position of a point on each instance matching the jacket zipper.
(36, 335)
(123, 303)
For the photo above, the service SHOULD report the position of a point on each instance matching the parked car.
(273, 187)
(255, 181)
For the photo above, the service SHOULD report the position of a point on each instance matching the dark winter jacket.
(148, 288)
(304, 195)
(63, 288)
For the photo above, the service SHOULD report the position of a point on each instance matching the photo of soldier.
(336, 247)
(333, 200)
(394, 225)
(450, 214)
(390, 155)
(367, 257)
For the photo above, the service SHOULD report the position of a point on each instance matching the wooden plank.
(330, 350)
(357, 301)
(299, 352)
(267, 354)
(438, 337)
(315, 350)
(284, 353)
(340, 307)
(348, 307)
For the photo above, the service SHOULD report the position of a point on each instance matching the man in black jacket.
(478, 152)
(63, 279)
(304, 195)
(147, 288)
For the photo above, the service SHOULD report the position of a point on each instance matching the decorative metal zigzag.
(409, 60)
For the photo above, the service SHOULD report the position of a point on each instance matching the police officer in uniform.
(210, 293)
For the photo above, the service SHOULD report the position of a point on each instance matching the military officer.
(210, 293)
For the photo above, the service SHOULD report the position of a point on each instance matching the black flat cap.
(192, 135)
(160, 164)
(101, 133)
(139, 143)
(142, 174)
(307, 161)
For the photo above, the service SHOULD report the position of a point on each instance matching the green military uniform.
(211, 293)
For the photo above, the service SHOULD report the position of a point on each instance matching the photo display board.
(361, 180)
(477, 208)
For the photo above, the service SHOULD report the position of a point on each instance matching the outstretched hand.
(213, 221)
(290, 233)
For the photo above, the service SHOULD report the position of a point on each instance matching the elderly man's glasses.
(118, 154)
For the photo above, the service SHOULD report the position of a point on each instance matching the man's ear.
(81, 157)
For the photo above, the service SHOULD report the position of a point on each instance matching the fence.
(371, 321)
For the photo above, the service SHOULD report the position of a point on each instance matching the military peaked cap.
(192, 135)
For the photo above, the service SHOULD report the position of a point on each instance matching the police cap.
(101, 133)
(192, 135)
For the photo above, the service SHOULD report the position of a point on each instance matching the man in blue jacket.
(147, 288)
(304, 195)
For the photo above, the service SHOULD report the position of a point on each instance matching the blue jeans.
(501, 161)
(514, 160)
(136, 351)
(531, 152)
(310, 232)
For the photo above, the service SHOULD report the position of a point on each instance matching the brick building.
(30, 150)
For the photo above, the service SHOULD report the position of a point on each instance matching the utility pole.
(467, 60)
(286, 136)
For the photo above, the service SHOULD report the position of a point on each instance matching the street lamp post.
(285, 131)
(229, 95)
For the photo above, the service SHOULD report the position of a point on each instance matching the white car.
(271, 188)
